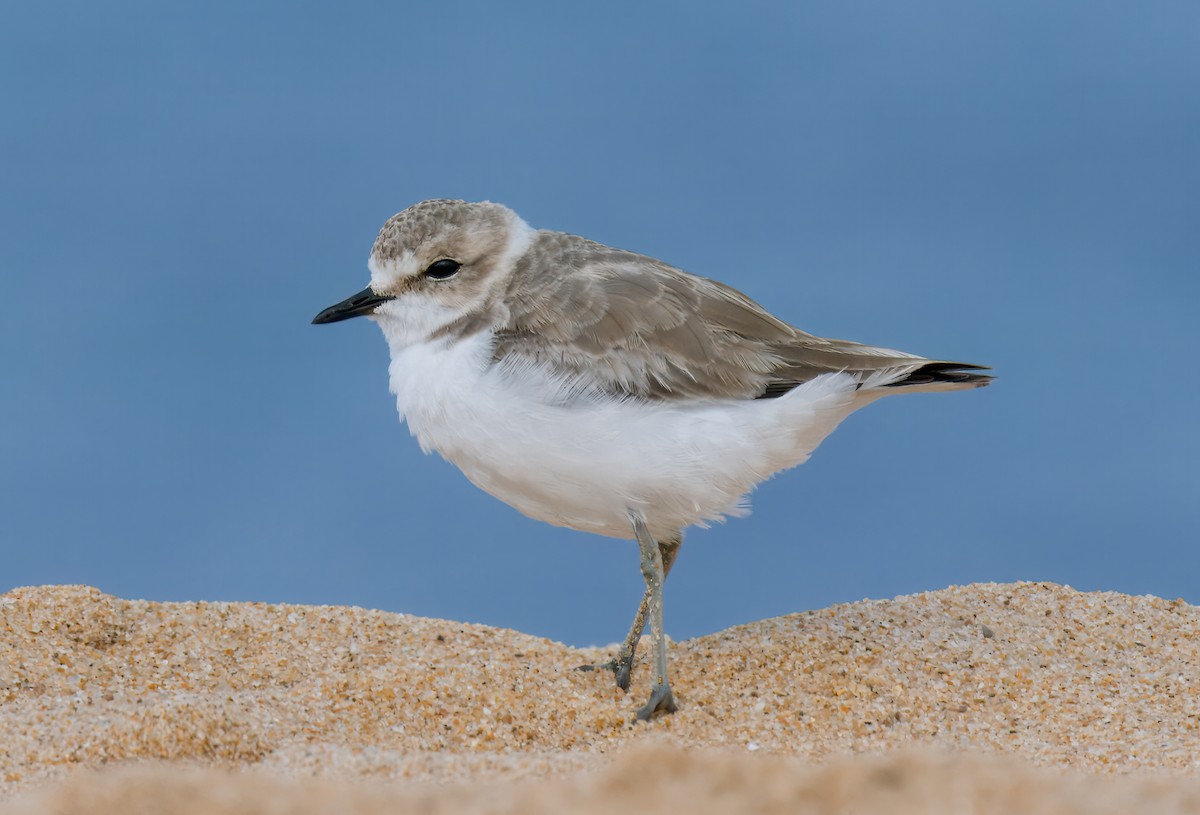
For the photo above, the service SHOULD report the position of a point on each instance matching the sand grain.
(992, 678)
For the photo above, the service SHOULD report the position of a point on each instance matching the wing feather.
(629, 325)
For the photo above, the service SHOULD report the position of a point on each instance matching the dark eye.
(442, 269)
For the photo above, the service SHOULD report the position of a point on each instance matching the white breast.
(582, 461)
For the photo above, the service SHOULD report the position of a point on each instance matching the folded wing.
(629, 325)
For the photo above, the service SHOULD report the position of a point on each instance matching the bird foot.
(620, 666)
(661, 700)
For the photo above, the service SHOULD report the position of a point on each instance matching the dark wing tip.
(946, 373)
(953, 375)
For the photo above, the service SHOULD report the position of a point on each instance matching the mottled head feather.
(440, 220)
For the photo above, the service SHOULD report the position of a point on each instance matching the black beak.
(354, 306)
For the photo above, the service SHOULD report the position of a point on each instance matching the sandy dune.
(1022, 698)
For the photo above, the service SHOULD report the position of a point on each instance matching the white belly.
(586, 462)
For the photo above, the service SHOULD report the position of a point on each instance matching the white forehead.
(386, 272)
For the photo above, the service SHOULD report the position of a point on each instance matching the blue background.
(185, 185)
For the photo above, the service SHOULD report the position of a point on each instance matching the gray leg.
(622, 663)
(661, 697)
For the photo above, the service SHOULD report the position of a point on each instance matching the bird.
(603, 390)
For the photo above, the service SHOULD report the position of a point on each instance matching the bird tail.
(943, 376)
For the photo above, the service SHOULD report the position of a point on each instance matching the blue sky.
(184, 186)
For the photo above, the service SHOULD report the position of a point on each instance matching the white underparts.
(578, 459)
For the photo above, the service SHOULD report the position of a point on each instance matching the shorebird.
(606, 391)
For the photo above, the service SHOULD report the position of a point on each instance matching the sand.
(1025, 698)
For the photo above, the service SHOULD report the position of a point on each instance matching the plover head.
(437, 264)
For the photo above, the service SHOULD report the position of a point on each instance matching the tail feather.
(948, 375)
(932, 375)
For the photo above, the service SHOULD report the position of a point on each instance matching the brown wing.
(630, 325)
